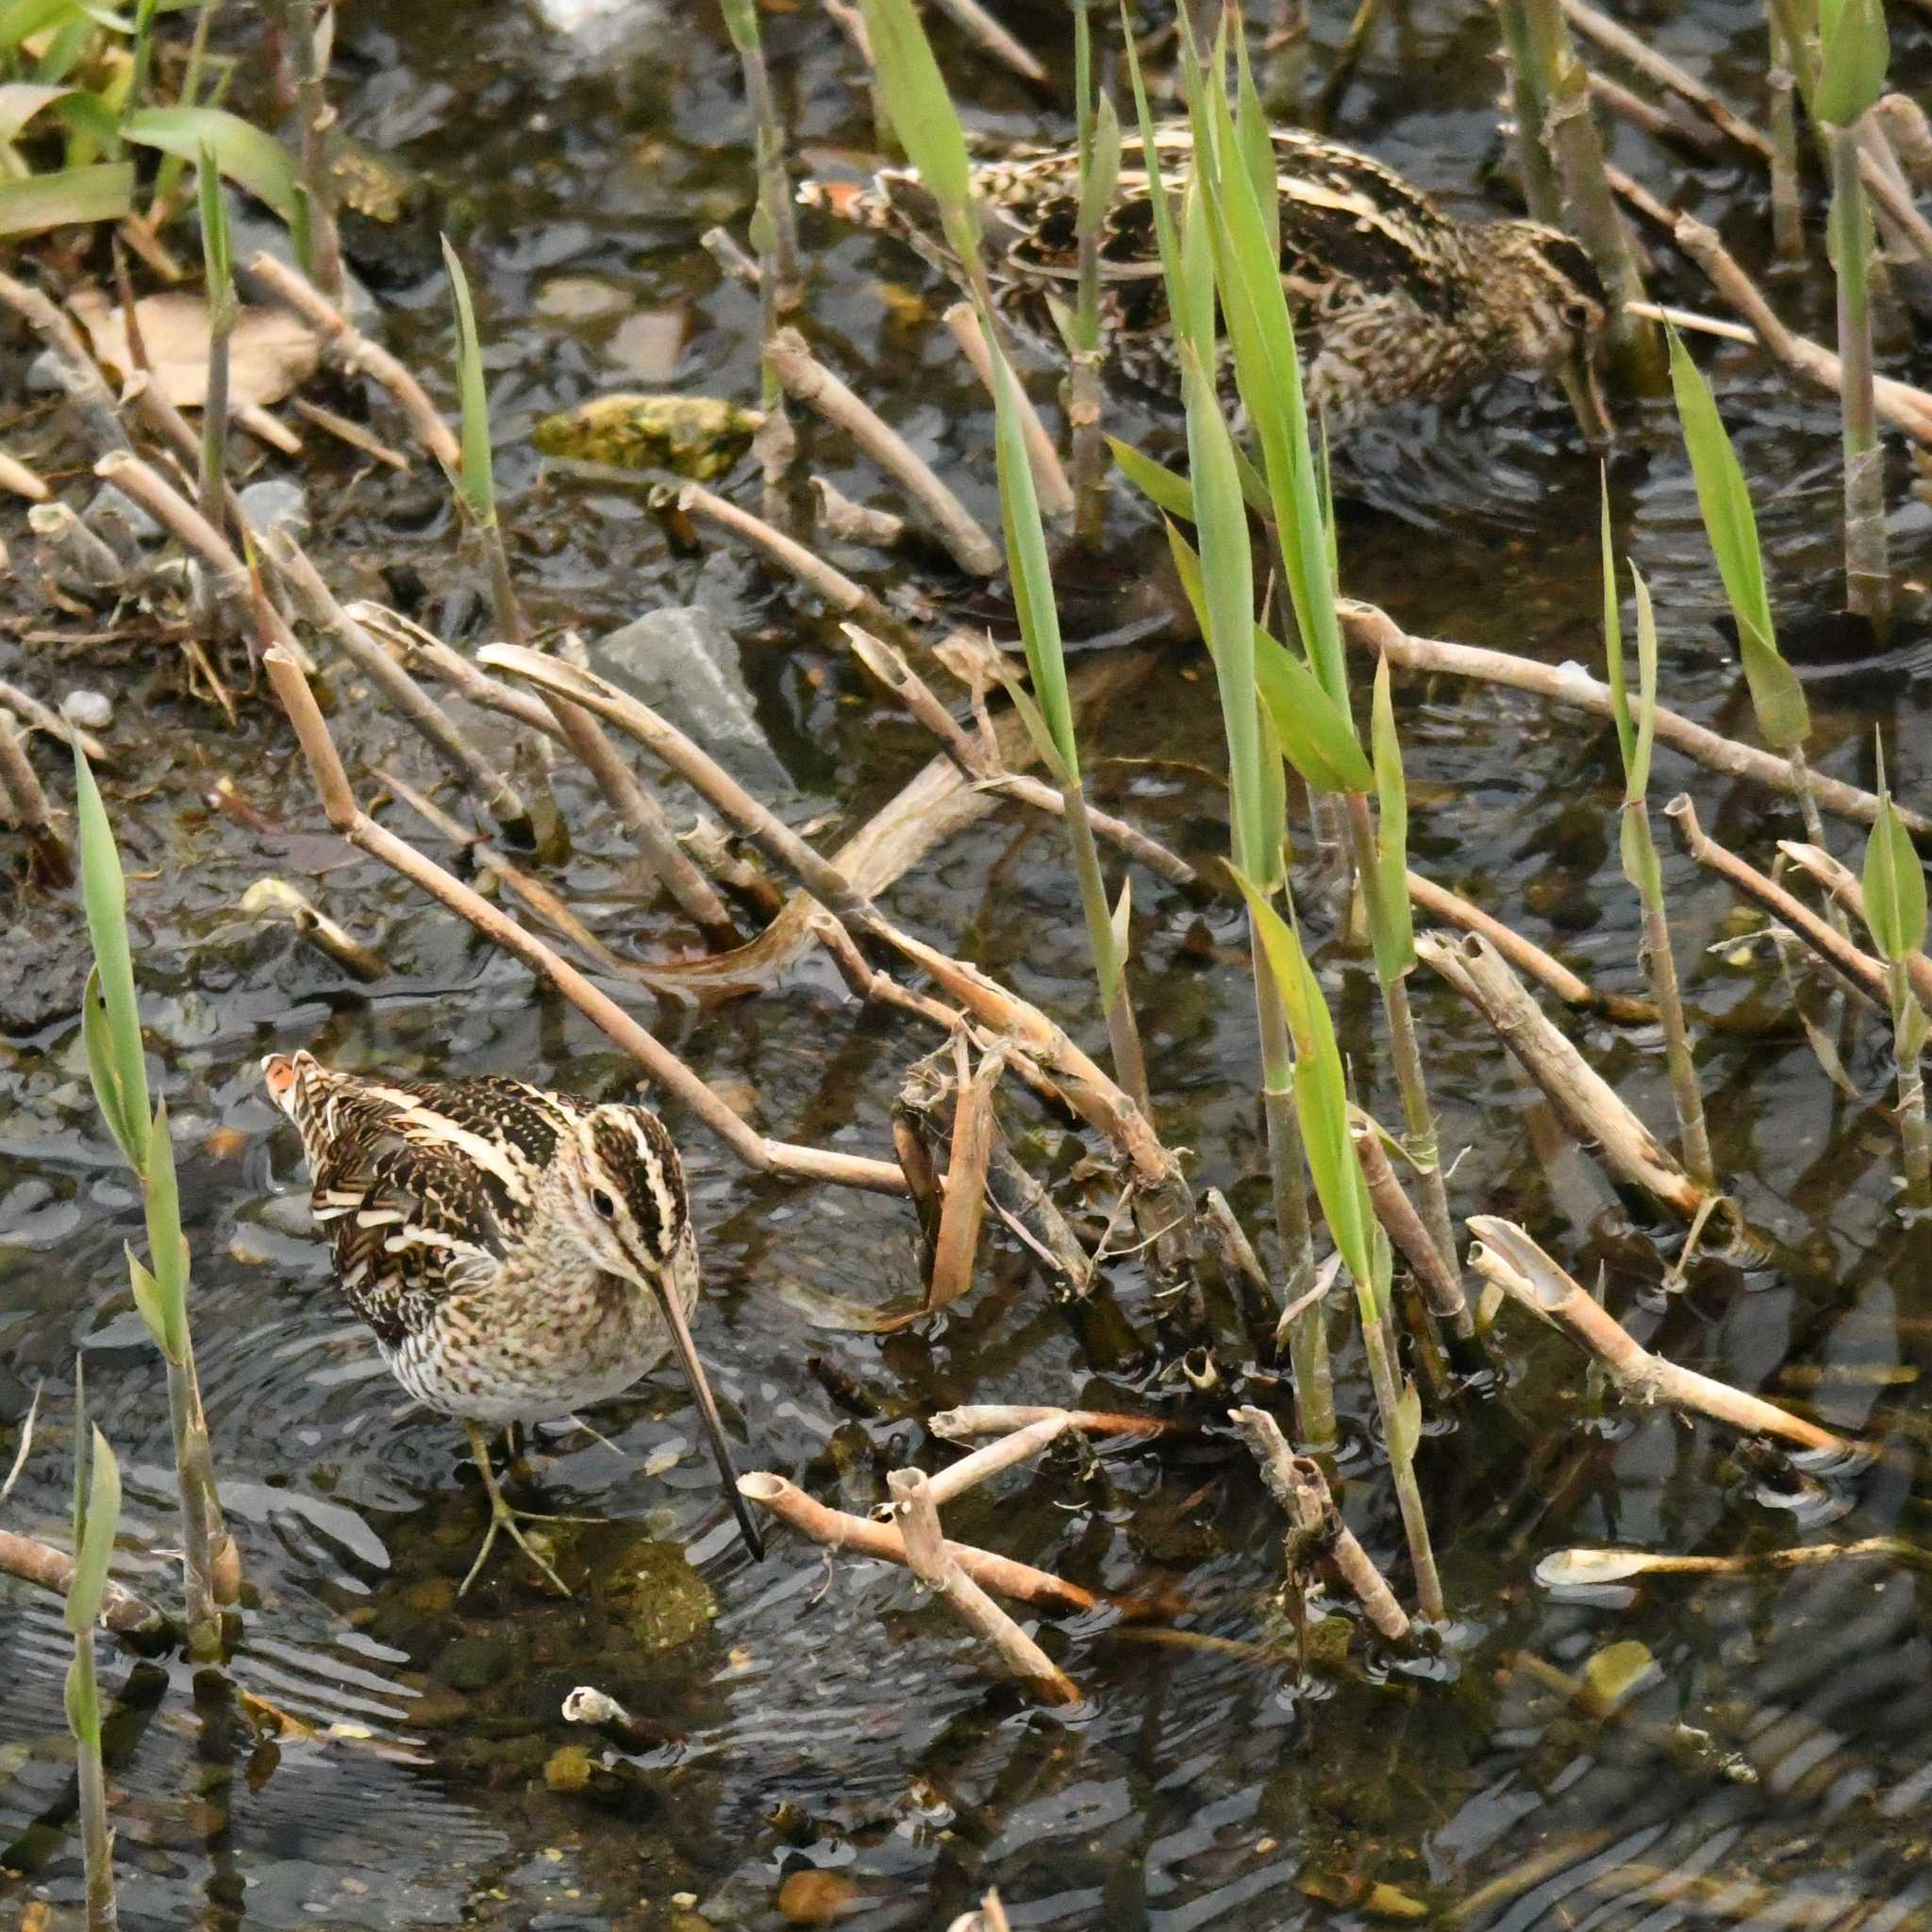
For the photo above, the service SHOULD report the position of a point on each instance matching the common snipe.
(518, 1254)
(1393, 298)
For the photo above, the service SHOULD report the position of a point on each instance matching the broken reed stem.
(1583, 1566)
(1584, 1100)
(1440, 902)
(1642, 59)
(465, 761)
(121, 1610)
(350, 348)
(1809, 364)
(1050, 482)
(210, 1563)
(972, 756)
(1861, 970)
(999, 1417)
(975, 22)
(836, 1529)
(35, 716)
(839, 520)
(844, 596)
(1786, 207)
(1307, 1328)
(1021, 1446)
(929, 1556)
(1846, 887)
(1442, 1282)
(1299, 1485)
(1506, 1255)
(212, 497)
(809, 381)
(1570, 131)
(324, 249)
(1371, 630)
(26, 803)
(16, 476)
(1660, 968)
(145, 486)
(1419, 1117)
(760, 1155)
(74, 368)
(1377, 1347)
(643, 820)
(1868, 579)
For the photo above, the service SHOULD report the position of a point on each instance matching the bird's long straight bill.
(708, 1408)
(1580, 380)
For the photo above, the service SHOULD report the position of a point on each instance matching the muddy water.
(1771, 1768)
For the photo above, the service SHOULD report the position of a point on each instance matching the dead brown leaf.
(270, 352)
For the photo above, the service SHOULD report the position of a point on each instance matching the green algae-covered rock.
(699, 437)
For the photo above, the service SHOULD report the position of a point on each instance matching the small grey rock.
(274, 502)
(43, 375)
(684, 663)
(88, 709)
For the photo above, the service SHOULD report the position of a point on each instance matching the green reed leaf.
(1732, 527)
(1613, 634)
(1165, 233)
(1317, 738)
(1405, 1424)
(1166, 489)
(167, 1245)
(1321, 1093)
(741, 24)
(94, 1525)
(1636, 765)
(244, 154)
(1895, 883)
(1393, 932)
(105, 895)
(103, 193)
(216, 254)
(1857, 50)
(148, 1299)
(922, 114)
(476, 481)
(1255, 137)
(104, 1072)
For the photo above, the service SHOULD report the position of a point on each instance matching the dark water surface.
(1772, 1770)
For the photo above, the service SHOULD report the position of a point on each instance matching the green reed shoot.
(1851, 78)
(1320, 1102)
(1099, 135)
(223, 312)
(1894, 885)
(475, 481)
(110, 1032)
(928, 127)
(1636, 734)
(96, 1516)
(774, 225)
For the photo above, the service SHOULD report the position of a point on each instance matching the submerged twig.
(122, 1611)
(1050, 482)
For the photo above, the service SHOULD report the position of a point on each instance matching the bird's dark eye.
(1576, 315)
(603, 1204)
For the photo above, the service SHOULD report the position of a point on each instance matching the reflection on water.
(398, 1758)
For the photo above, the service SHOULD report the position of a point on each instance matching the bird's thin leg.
(502, 1517)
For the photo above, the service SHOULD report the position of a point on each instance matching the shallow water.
(1772, 1771)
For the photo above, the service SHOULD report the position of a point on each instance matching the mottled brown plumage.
(518, 1253)
(1393, 298)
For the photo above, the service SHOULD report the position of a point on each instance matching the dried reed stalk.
(466, 761)
(998, 1418)
(77, 372)
(26, 803)
(36, 716)
(839, 520)
(1439, 902)
(1590, 1566)
(930, 1559)
(964, 1209)
(1641, 57)
(1504, 1254)
(1370, 629)
(809, 381)
(836, 1529)
(1412, 1239)
(16, 476)
(1299, 1485)
(122, 1611)
(977, 760)
(339, 805)
(1585, 1101)
(1050, 482)
(1864, 973)
(1844, 886)
(1021, 1446)
(349, 347)
(972, 20)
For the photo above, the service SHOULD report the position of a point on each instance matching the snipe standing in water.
(518, 1254)
(1394, 299)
